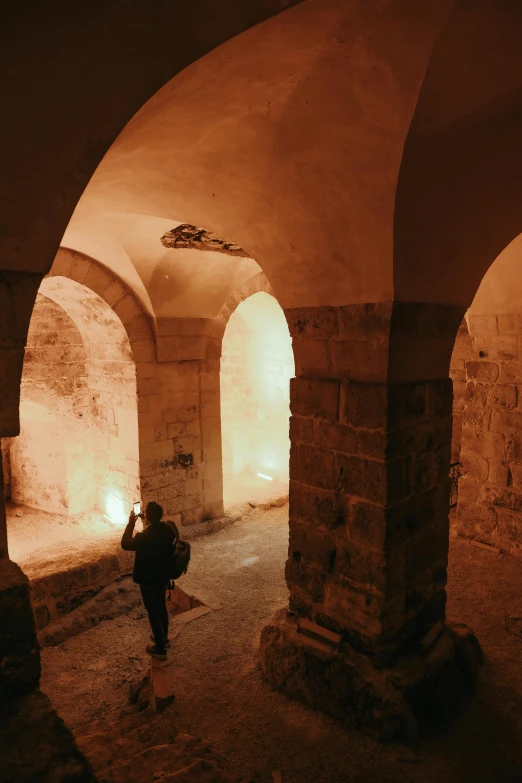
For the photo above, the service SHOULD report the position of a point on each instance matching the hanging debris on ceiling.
(194, 238)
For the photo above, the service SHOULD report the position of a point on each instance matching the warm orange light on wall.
(256, 366)
(115, 510)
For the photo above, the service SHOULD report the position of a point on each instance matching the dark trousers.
(155, 602)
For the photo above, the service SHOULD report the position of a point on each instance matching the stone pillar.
(179, 425)
(369, 501)
(19, 653)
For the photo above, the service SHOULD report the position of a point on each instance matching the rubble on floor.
(123, 747)
(36, 747)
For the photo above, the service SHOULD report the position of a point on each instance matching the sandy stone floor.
(43, 543)
(250, 489)
(222, 699)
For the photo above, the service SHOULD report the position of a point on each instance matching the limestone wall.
(180, 438)
(462, 353)
(55, 595)
(55, 417)
(490, 490)
(177, 380)
(177, 370)
(77, 450)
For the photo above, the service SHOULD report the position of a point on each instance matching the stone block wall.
(77, 451)
(369, 488)
(55, 595)
(177, 377)
(19, 651)
(180, 415)
(177, 364)
(490, 489)
(55, 417)
(180, 438)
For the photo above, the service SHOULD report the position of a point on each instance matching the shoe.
(153, 651)
(167, 643)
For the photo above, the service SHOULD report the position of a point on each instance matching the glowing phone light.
(262, 475)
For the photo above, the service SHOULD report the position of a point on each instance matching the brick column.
(179, 425)
(19, 653)
(369, 495)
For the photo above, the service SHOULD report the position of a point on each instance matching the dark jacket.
(154, 548)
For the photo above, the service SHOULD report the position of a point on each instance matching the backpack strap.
(175, 530)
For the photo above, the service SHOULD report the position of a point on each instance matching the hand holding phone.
(136, 510)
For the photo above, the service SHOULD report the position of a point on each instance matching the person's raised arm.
(128, 541)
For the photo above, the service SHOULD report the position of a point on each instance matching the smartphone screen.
(137, 508)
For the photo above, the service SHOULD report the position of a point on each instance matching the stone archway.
(79, 376)
(257, 363)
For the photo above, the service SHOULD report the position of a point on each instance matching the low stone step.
(103, 751)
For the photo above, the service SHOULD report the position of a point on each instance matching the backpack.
(179, 562)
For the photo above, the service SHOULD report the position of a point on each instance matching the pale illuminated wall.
(78, 447)
(39, 460)
(462, 353)
(256, 366)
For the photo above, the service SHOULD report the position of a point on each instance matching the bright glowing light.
(262, 475)
(250, 561)
(115, 509)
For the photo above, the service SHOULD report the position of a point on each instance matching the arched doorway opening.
(73, 471)
(257, 363)
(487, 372)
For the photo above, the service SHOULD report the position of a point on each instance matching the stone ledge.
(206, 527)
(388, 703)
(57, 594)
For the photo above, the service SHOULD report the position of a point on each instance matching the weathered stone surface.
(390, 703)
(19, 652)
(485, 372)
(490, 425)
(56, 595)
(193, 238)
(316, 398)
(312, 466)
(391, 444)
(312, 322)
(124, 748)
(315, 506)
(35, 745)
(364, 405)
(362, 477)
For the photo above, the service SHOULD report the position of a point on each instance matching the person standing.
(153, 548)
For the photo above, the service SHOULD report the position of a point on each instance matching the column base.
(19, 650)
(398, 702)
